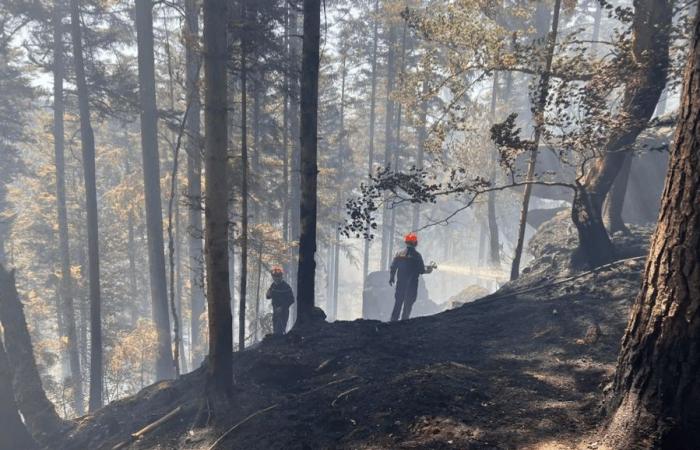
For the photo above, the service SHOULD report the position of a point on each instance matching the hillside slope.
(513, 370)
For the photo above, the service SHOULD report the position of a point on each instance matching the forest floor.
(523, 368)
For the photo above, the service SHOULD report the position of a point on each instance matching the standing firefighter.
(409, 265)
(282, 298)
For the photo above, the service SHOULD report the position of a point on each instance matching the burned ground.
(523, 368)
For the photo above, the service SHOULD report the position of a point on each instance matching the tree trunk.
(397, 143)
(309, 166)
(87, 140)
(220, 368)
(38, 412)
(387, 238)
(68, 308)
(151, 184)
(13, 433)
(285, 136)
(656, 387)
(651, 28)
(422, 138)
(244, 184)
(615, 202)
(342, 145)
(294, 127)
(543, 90)
(372, 118)
(494, 244)
(194, 179)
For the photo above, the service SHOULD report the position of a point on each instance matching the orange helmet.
(277, 271)
(411, 239)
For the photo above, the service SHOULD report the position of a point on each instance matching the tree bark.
(39, 413)
(220, 368)
(68, 308)
(244, 183)
(494, 244)
(651, 28)
(309, 166)
(194, 178)
(656, 386)
(342, 145)
(294, 127)
(543, 91)
(422, 138)
(87, 140)
(13, 432)
(372, 118)
(151, 184)
(613, 206)
(387, 238)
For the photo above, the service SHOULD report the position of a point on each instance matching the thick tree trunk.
(656, 388)
(543, 91)
(387, 238)
(39, 413)
(372, 119)
(87, 140)
(13, 432)
(194, 179)
(151, 183)
(68, 308)
(612, 209)
(220, 368)
(651, 30)
(244, 185)
(309, 166)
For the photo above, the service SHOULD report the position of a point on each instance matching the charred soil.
(523, 368)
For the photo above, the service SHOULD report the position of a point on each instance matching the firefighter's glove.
(391, 282)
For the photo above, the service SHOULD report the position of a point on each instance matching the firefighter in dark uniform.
(282, 298)
(406, 267)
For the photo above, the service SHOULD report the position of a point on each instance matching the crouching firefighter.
(282, 298)
(406, 267)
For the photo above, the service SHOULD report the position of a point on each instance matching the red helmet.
(411, 238)
(277, 271)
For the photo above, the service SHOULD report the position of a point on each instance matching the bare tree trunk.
(256, 322)
(285, 135)
(342, 145)
(244, 184)
(656, 387)
(422, 138)
(38, 412)
(220, 368)
(494, 244)
(372, 118)
(87, 140)
(13, 432)
(309, 166)
(194, 178)
(397, 142)
(387, 238)
(68, 307)
(543, 90)
(612, 209)
(151, 183)
(294, 127)
(651, 27)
